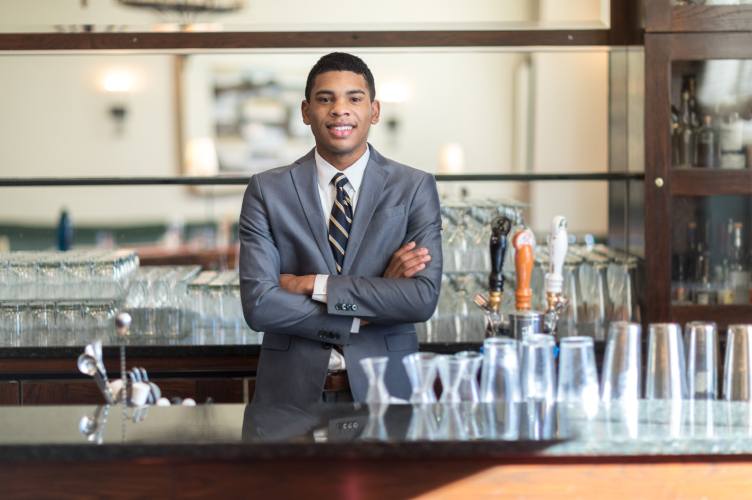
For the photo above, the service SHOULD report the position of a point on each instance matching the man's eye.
(356, 99)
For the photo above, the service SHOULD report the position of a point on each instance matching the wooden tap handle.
(523, 263)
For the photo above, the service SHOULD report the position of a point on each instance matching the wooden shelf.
(711, 18)
(722, 315)
(711, 182)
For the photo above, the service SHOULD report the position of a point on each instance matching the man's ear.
(375, 112)
(304, 111)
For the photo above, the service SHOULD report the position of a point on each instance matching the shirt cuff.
(319, 287)
(355, 326)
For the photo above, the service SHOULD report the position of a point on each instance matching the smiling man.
(340, 252)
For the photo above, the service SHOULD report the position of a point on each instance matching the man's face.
(340, 112)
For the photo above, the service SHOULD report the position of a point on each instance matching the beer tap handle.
(500, 228)
(557, 250)
(523, 263)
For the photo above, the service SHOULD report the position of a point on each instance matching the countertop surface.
(644, 428)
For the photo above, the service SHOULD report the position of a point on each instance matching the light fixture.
(118, 84)
(393, 92)
(201, 157)
(187, 11)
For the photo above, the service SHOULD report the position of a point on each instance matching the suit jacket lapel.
(304, 178)
(374, 179)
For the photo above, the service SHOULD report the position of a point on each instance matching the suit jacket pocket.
(389, 212)
(275, 342)
(401, 341)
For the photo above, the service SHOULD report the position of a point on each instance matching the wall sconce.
(118, 84)
(201, 157)
(392, 92)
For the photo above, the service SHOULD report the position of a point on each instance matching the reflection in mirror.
(296, 15)
(449, 111)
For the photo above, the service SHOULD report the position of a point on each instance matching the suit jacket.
(283, 231)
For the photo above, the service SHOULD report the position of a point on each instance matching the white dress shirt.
(325, 172)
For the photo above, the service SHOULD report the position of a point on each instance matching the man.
(340, 252)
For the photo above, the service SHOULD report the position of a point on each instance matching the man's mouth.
(341, 130)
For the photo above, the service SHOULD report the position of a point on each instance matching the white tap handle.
(557, 251)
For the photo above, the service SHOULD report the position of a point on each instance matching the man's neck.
(342, 161)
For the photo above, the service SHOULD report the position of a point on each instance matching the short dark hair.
(340, 61)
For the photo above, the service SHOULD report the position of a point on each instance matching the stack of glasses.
(50, 298)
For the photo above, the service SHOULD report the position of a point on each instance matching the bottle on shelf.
(739, 274)
(706, 150)
(689, 85)
(731, 147)
(684, 139)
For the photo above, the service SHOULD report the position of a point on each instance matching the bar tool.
(375, 369)
(122, 326)
(88, 366)
(90, 424)
(500, 228)
(421, 370)
(558, 244)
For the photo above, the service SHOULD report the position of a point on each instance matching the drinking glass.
(453, 425)
(421, 370)
(468, 388)
(537, 420)
(451, 371)
(423, 425)
(501, 420)
(42, 323)
(622, 365)
(69, 322)
(737, 372)
(500, 376)
(375, 369)
(538, 375)
(701, 342)
(666, 370)
(578, 375)
(13, 323)
(100, 320)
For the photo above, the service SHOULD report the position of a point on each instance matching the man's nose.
(340, 109)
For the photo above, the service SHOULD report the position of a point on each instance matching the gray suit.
(283, 231)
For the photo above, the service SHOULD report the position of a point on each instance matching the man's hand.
(407, 261)
(302, 285)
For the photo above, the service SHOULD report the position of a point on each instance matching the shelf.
(722, 315)
(711, 182)
(711, 18)
(243, 180)
(97, 42)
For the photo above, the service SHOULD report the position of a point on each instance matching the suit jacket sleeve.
(388, 301)
(266, 306)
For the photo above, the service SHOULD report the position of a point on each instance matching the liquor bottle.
(732, 154)
(738, 269)
(689, 85)
(707, 145)
(64, 232)
(685, 135)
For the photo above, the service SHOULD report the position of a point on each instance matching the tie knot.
(339, 180)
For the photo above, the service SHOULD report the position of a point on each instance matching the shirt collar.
(325, 172)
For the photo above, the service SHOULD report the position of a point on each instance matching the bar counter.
(645, 449)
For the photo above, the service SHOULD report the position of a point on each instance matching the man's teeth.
(347, 127)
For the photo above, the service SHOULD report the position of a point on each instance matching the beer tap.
(500, 228)
(523, 321)
(557, 250)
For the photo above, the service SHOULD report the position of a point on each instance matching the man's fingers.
(420, 259)
(413, 254)
(404, 248)
(410, 272)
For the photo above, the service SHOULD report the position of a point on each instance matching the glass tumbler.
(468, 389)
(578, 375)
(666, 370)
(737, 372)
(70, 324)
(500, 376)
(12, 323)
(622, 364)
(42, 324)
(701, 343)
(538, 373)
(421, 370)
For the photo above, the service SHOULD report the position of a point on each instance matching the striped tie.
(339, 221)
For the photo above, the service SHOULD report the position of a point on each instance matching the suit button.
(354, 307)
(336, 336)
(349, 307)
(326, 346)
(337, 307)
(332, 336)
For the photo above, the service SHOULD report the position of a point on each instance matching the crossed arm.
(406, 293)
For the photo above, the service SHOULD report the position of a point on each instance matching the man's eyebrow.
(349, 92)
